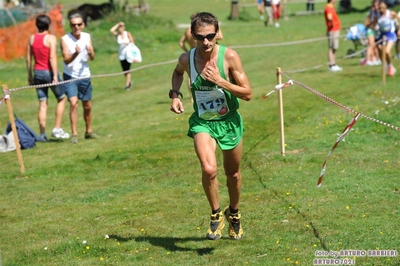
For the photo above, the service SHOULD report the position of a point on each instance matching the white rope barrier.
(175, 60)
(280, 43)
(93, 76)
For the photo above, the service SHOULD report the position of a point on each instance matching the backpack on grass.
(27, 137)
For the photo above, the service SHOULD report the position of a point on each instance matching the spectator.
(268, 12)
(333, 32)
(41, 49)
(260, 8)
(77, 49)
(310, 5)
(124, 38)
(276, 10)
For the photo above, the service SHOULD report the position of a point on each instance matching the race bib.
(211, 104)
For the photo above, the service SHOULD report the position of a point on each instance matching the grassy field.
(134, 196)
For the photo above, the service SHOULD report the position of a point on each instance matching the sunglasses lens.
(199, 37)
(209, 37)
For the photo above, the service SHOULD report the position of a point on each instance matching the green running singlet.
(215, 109)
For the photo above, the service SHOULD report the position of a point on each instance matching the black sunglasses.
(209, 37)
(77, 24)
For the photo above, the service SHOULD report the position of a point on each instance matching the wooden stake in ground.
(7, 100)
(383, 53)
(234, 10)
(280, 107)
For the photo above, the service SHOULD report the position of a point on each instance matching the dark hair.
(43, 22)
(192, 16)
(204, 19)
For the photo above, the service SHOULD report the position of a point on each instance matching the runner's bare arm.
(177, 79)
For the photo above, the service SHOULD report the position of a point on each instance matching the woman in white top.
(124, 38)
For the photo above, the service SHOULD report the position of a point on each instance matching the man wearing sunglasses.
(187, 38)
(217, 82)
(77, 50)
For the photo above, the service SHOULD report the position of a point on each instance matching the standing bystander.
(77, 49)
(276, 10)
(310, 5)
(268, 12)
(217, 81)
(333, 32)
(260, 8)
(124, 38)
(42, 48)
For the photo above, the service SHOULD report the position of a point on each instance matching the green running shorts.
(227, 132)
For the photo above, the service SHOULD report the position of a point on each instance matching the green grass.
(140, 183)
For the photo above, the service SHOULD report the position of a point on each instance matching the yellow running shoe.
(217, 223)
(235, 228)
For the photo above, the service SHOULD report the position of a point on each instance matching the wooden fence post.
(383, 53)
(234, 9)
(7, 100)
(280, 107)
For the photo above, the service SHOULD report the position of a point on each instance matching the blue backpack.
(27, 137)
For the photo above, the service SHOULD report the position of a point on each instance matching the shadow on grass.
(277, 195)
(54, 140)
(163, 102)
(363, 75)
(168, 243)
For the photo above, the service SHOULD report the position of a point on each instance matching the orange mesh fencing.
(13, 40)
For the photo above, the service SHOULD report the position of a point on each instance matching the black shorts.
(125, 65)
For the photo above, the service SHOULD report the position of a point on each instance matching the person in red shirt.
(41, 64)
(333, 32)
